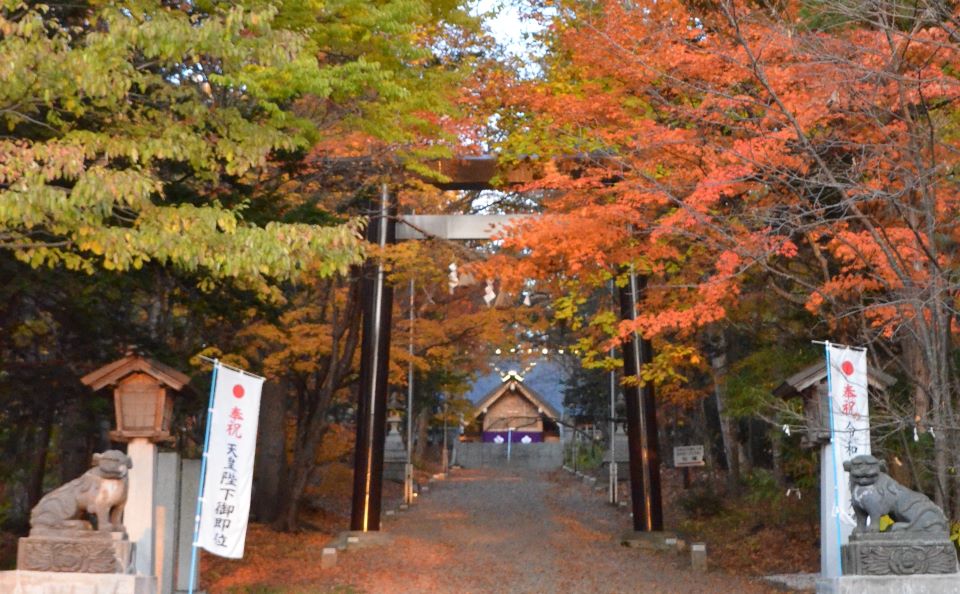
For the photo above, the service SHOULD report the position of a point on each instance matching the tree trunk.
(270, 467)
(38, 458)
(931, 402)
(288, 518)
(776, 452)
(74, 445)
(745, 449)
(728, 430)
(707, 436)
(422, 422)
(314, 394)
(301, 468)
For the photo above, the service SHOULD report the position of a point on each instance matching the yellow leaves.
(227, 223)
(566, 308)
(92, 246)
(213, 352)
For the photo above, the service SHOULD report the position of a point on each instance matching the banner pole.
(203, 478)
(833, 451)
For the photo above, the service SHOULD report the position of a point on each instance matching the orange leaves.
(727, 148)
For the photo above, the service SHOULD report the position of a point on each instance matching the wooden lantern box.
(142, 396)
(810, 384)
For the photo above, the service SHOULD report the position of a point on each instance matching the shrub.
(702, 502)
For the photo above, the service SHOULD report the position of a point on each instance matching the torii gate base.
(377, 298)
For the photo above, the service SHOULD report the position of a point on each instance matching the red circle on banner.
(238, 391)
(847, 367)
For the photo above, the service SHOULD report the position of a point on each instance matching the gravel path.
(495, 531)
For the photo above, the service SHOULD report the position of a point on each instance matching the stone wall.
(530, 456)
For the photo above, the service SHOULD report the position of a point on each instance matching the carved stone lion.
(875, 494)
(100, 492)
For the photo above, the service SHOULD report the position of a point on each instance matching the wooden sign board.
(687, 456)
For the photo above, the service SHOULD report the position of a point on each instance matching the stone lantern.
(143, 401)
(394, 452)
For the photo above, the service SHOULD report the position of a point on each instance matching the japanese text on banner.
(229, 477)
(850, 418)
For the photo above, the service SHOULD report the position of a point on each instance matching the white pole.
(612, 469)
(203, 474)
(444, 459)
(408, 469)
(838, 531)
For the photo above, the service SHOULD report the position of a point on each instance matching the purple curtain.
(514, 436)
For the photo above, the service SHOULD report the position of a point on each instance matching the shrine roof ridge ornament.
(512, 374)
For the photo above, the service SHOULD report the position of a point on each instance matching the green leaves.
(108, 117)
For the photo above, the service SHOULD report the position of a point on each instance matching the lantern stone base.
(77, 551)
(896, 553)
(394, 471)
(889, 584)
(53, 582)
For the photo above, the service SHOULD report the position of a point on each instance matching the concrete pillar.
(138, 512)
(698, 556)
(408, 483)
(189, 488)
(167, 516)
(328, 558)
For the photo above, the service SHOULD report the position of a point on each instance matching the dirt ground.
(479, 531)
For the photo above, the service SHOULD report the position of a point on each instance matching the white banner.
(850, 419)
(228, 481)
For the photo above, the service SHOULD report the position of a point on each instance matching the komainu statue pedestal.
(886, 553)
(46, 582)
(81, 551)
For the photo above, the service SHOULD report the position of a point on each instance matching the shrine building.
(516, 412)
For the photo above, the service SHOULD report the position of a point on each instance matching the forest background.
(191, 178)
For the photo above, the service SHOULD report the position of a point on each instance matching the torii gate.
(473, 173)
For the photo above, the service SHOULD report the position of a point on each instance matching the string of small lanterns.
(518, 349)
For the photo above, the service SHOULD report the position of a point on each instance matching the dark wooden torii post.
(479, 173)
(376, 296)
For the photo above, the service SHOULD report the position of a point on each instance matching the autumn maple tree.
(805, 151)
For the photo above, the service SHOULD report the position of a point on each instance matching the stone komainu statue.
(100, 492)
(875, 494)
